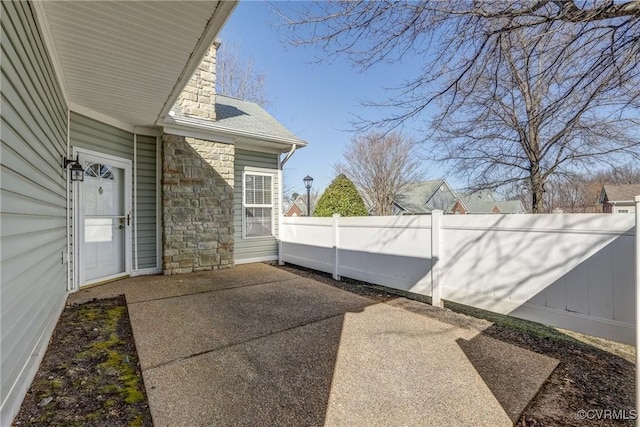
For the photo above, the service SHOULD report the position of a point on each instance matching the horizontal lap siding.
(103, 138)
(32, 201)
(146, 205)
(254, 247)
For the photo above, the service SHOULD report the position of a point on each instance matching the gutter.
(180, 124)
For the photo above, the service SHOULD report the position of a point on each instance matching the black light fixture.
(307, 183)
(77, 173)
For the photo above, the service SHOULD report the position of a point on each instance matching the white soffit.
(123, 59)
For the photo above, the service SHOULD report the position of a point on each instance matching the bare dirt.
(90, 375)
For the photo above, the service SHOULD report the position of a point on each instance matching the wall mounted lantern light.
(77, 173)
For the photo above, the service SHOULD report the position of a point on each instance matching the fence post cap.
(637, 199)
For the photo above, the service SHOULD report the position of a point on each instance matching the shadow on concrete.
(514, 375)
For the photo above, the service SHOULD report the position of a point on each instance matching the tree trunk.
(537, 190)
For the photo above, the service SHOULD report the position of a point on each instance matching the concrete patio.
(256, 345)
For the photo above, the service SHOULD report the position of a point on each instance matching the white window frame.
(245, 205)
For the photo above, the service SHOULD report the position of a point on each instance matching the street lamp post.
(307, 183)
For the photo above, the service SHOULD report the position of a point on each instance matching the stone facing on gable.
(197, 204)
(198, 98)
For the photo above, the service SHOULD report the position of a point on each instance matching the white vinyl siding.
(624, 209)
(255, 248)
(32, 203)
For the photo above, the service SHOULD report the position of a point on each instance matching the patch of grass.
(137, 422)
(116, 361)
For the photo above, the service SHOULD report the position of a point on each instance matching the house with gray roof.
(485, 202)
(511, 207)
(619, 198)
(422, 198)
(298, 207)
(119, 159)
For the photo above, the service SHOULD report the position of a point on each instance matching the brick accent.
(458, 209)
(197, 204)
(198, 98)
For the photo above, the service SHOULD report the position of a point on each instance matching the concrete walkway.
(256, 345)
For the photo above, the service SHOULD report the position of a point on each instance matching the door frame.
(78, 201)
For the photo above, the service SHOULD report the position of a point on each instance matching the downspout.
(288, 156)
(68, 190)
(281, 164)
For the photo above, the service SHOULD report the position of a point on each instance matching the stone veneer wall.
(197, 204)
(198, 98)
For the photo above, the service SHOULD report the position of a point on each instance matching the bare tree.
(526, 89)
(381, 165)
(579, 193)
(533, 120)
(237, 77)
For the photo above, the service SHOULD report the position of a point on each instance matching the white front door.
(103, 209)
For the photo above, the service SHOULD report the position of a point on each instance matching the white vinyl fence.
(574, 271)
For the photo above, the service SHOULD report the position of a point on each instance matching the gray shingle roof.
(622, 193)
(511, 207)
(240, 118)
(479, 202)
(414, 200)
(246, 116)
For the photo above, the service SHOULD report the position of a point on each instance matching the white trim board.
(43, 23)
(78, 235)
(257, 259)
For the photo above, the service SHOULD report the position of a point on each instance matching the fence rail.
(574, 271)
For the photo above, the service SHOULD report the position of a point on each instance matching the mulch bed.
(590, 387)
(90, 375)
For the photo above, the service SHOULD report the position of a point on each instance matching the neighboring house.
(299, 206)
(484, 202)
(511, 207)
(423, 197)
(195, 189)
(295, 208)
(619, 198)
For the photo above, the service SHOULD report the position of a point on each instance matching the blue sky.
(314, 101)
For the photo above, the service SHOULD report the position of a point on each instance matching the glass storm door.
(105, 219)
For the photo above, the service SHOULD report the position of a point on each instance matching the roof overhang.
(126, 62)
(210, 131)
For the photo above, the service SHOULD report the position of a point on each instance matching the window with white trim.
(257, 207)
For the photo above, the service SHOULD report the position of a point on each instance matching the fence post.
(637, 266)
(336, 241)
(436, 220)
